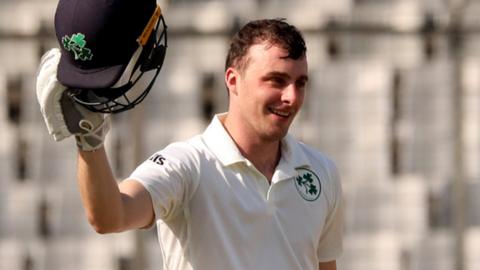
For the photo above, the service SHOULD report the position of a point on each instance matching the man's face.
(267, 94)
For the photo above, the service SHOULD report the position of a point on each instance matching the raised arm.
(331, 265)
(111, 207)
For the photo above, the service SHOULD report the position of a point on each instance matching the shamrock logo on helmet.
(76, 44)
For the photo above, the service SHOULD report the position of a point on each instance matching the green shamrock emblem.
(76, 44)
(307, 184)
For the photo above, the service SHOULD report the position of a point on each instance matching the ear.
(231, 80)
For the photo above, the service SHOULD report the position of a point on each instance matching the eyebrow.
(283, 74)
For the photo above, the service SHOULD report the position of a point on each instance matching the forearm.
(331, 265)
(99, 191)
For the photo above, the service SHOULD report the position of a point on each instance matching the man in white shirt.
(244, 194)
(230, 198)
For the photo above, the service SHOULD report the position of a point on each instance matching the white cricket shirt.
(215, 210)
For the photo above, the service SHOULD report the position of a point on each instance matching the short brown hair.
(275, 31)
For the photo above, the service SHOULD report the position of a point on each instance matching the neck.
(264, 154)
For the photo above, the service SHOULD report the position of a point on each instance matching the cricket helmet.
(112, 51)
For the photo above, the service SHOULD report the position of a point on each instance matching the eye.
(277, 81)
(301, 84)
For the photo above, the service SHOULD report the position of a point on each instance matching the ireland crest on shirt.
(308, 184)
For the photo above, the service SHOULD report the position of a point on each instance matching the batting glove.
(62, 115)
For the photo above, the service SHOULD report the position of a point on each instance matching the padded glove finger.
(49, 92)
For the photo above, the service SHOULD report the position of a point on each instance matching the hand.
(62, 115)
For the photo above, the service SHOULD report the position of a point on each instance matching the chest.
(241, 199)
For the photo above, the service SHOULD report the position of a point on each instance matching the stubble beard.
(272, 133)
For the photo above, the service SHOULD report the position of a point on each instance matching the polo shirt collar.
(292, 158)
(221, 144)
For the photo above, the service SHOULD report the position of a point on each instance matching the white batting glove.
(62, 116)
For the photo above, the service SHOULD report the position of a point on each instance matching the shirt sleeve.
(170, 176)
(330, 244)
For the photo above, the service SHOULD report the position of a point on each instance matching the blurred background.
(393, 98)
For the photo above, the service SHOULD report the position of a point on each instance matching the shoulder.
(318, 160)
(186, 154)
(178, 162)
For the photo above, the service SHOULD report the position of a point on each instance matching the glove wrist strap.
(92, 139)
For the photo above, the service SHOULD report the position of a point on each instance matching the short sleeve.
(170, 176)
(330, 245)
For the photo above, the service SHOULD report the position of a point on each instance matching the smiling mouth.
(279, 113)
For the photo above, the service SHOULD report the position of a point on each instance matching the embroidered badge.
(76, 44)
(308, 184)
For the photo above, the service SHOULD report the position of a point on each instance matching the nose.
(292, 94)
